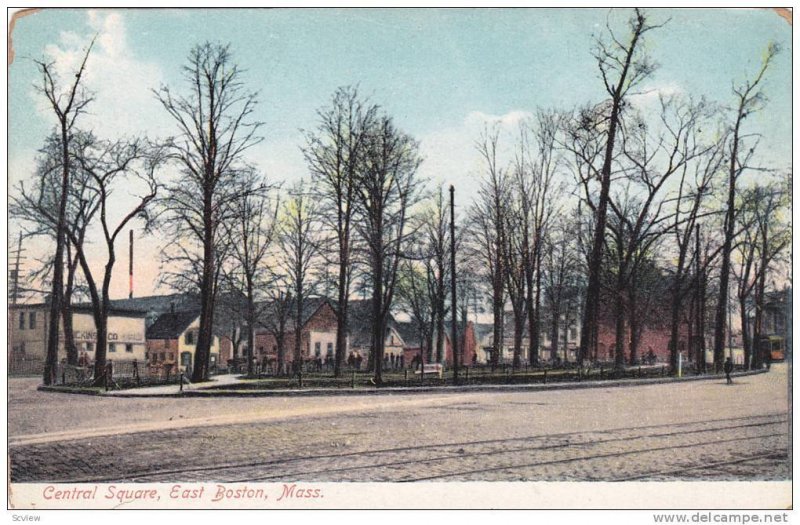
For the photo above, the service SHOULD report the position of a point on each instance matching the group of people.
(354, 360)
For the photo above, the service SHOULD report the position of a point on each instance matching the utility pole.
(16, 271)
(454, 314)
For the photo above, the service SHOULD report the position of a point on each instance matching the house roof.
(409, 333)
(311, 306)
(171, 324)
(359, 321)
(159, 303)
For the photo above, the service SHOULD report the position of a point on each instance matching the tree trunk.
(518, 328)
(536, 320)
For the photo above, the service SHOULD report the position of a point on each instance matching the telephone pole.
(15, 274)
(453, 312)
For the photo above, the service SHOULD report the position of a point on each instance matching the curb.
(69, 390)
(536, 387)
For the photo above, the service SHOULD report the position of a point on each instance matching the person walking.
(728, 368)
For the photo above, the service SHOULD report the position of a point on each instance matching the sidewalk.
(205, 389)
(174, 390)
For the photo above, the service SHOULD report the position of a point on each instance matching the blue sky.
(441, 73)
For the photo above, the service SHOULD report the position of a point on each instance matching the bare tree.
(298, 234)
(33, 207)
(561, 264)
(215, 129)
(489, 224)
(110, 165)
(535, 172)
(68, 103)
(435, 235)
(276, 319)
(251, 232)
(414, 287)
(334, 152)
(623, 66)
(654, 154)
(749, 99)
(773, 236)
(387, 190)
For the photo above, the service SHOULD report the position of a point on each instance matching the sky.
(441, 73)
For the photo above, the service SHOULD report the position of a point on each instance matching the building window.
(162, 356)
(317, 349)
(22, 320)
(112, 347)
(330, 348)
(573, 333)
(89, 347)
(129, 348)
(32, 320)
(189, 339)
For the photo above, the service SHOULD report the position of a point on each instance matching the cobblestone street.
(686, 431)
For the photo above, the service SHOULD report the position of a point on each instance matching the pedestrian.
(728, 368)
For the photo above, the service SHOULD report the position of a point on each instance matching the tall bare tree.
(387, 190)
(215, 128)
(748, 100)
(334, 153)
(488, 221)
(435, 235)
(68, 100)
(299, 237)
(252, 232)
(623, 66)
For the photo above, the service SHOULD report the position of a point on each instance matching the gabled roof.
(171, 324)
(409, 332)
(359, 322)
(311, 306)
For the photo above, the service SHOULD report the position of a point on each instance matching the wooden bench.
(434, 368)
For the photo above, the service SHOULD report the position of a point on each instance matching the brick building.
(468, 343)
(317, 339)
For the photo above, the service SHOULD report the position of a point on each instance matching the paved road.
(696, 430)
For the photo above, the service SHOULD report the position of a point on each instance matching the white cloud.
(120, 82)
(451, 156)
(648, 98)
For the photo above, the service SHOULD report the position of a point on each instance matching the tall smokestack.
(130, 266)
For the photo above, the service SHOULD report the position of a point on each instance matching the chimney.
(130, 265)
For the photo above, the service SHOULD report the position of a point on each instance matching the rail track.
(663, 452)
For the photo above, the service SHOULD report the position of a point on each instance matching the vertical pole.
(16, 270)
(456, 356)
(130, 264)
(180, 388)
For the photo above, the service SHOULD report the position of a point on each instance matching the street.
(701, 430)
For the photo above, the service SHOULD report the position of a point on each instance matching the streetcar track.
(584, 458)
(746, 459)
(493, 452)
(144, 474)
